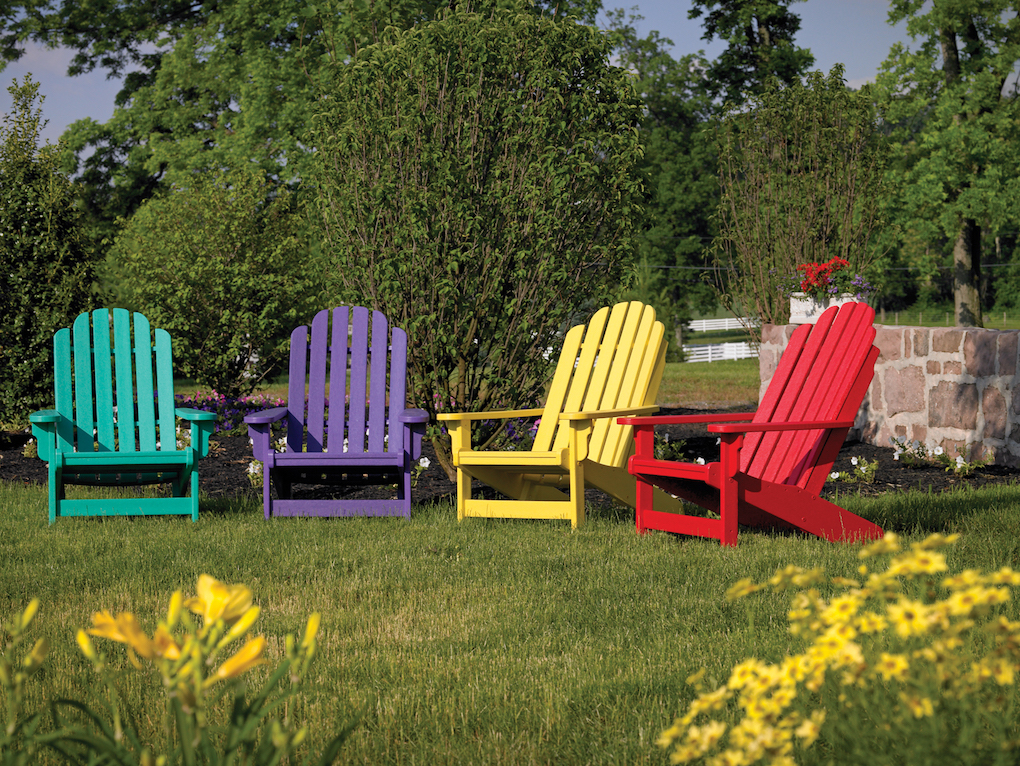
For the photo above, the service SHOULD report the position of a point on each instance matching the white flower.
(424, 463)
(938, 450)
(896, 455)
(853, 461)
(834, 475)
(345, 445)
(255, 467)
(960, 460)
(700, 461)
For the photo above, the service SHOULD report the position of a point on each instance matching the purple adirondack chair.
(354, 429)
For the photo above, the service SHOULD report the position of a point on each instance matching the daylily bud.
(241, 627)
(173, 614)
(311, 629)
(36, 657)
(29, 613)
(86, 646)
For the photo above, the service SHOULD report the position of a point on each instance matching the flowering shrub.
(229, 412)
(863, 471)
(831, 279)
(914, 454)
(913, 666)
(196, 655)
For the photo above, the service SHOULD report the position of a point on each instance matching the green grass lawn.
(485, 642)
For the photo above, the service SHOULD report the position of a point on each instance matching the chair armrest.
(202, 425)
(45, 417)
(263, 417)
(673, 420)
(413, 416)
(44, 429)
(492, 415)
(595, 414)
(193, 415)
(804, 425)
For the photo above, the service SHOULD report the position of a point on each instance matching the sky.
(852, 32)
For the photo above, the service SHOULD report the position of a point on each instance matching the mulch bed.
(224, 472)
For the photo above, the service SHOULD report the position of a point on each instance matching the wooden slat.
(144, 384)
(318, 356)
(377, 384)
(398, 387)
(83, 393)
(102, 365)
(297, 372)
(338, 379)
(591, 363)
(640, 388)
(167, 437)
(359, 380)
(558, 388)
(63, 374)
(125, 383)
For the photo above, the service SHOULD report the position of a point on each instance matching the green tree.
(219, 264)
(801, 172)
(478, 186)
(759, 34)
(207, 84)
(678, 166)
(957, 126)
(46, 259)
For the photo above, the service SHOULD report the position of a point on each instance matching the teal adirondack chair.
(114, 423)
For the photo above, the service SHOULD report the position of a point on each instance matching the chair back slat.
(83, 392)
(398, 387)
(124, 373)
(639, 386)
(63, 376)
(103, 369)
(145, 390)
(587, 361)
(376, 403)
(338, 355)
(297, 372)
(558, 388)
(318, 356)
(359, 380)
(165, 405)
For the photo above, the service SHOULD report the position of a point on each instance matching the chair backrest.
(356, 368)
(822, 375)
(616, 361)
(114, 384)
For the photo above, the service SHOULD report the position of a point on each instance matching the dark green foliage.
(219, 264)
(801, 176)
(478, 186)
(46, 261)
(760, 36)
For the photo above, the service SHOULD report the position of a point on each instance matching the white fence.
(717, 352)
(714, 325)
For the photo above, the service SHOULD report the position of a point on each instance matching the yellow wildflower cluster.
(909, 643)
(183, 651)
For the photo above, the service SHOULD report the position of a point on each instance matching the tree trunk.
(967, 274)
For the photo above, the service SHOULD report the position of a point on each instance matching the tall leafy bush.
(219, 264)
(46, 258)
(800, 173)
(477, 184)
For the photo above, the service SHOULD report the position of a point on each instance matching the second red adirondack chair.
(773, 462)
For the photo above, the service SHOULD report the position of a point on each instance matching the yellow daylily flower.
(241, 626)
(125, 629)
(173, 612)
(311, 629)
(165, 644)
(246, 658)
(86, 646)
(218, 601)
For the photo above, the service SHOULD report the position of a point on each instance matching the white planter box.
(806, 310)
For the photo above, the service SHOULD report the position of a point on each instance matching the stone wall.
(951, 387)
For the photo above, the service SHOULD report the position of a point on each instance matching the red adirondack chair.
(354, 429)
(773, 462)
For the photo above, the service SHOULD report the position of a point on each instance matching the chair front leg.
(729, 489)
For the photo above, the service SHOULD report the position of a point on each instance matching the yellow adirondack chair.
(610, 368)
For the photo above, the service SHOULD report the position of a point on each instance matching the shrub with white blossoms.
(863, 471)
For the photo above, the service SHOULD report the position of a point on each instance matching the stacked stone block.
(948, 387)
